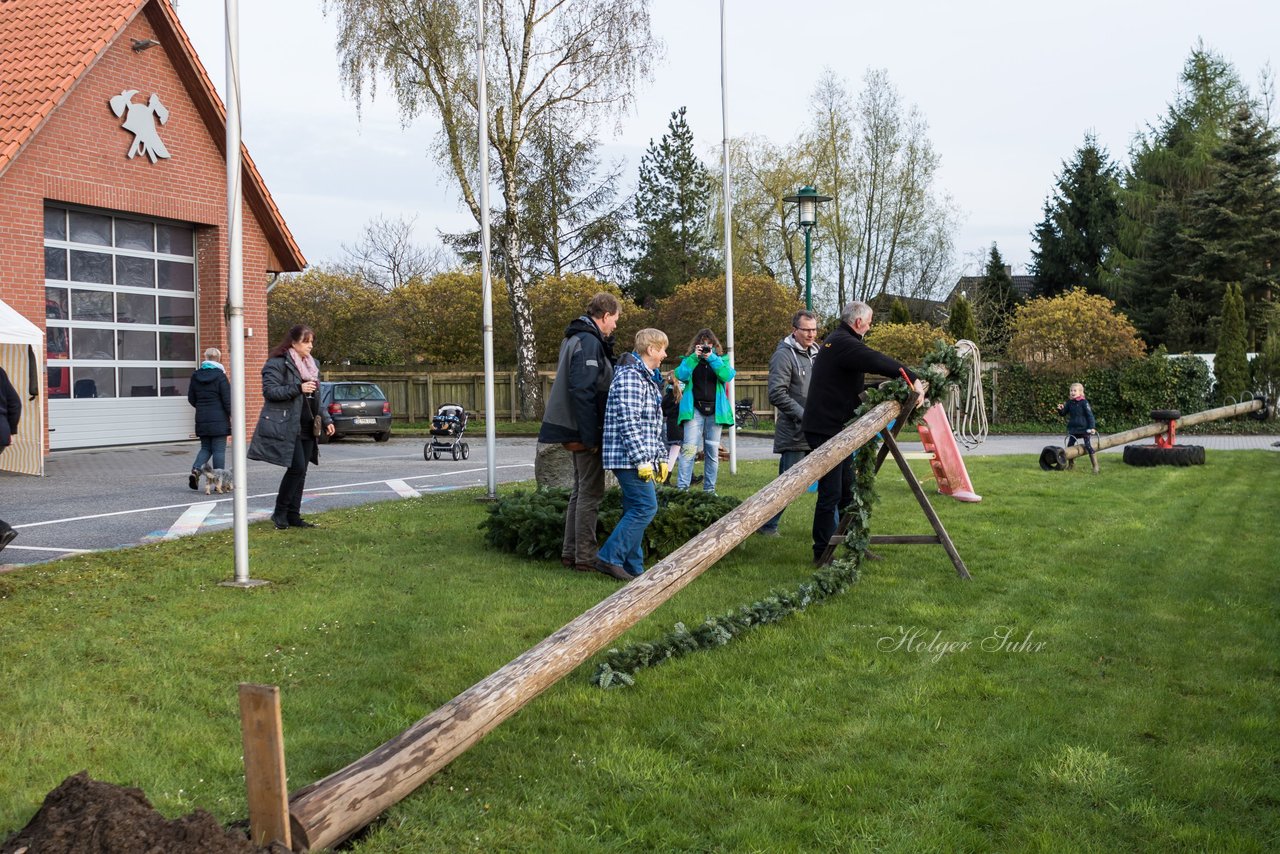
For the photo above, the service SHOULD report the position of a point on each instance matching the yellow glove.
(664, 469)
(645, 471)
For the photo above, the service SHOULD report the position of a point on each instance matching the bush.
(1121, 398)
(532, 523)
(1071, 334)
(906, 342)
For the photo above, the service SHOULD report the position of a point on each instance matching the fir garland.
(620, 665)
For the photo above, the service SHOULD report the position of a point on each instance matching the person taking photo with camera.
(704, 408)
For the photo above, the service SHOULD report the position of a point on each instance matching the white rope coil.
(966, 409)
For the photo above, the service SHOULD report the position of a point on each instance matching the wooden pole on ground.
(330, 810)
(262, 733)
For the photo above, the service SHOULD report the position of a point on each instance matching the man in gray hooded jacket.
(789, 371)
(574, 417)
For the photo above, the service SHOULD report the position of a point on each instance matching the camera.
(703, 349)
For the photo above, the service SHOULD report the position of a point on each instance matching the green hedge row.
(1121, 398)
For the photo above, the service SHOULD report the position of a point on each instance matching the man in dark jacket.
(574, 418)
(789, 372)
(210, 393)
(839, 374)
(10, 415)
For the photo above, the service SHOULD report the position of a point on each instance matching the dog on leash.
(216, 480)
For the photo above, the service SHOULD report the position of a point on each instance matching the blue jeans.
(700, 430)
(786, 461)
(624, 547)
(212, 447)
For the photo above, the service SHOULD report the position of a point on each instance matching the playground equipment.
(1165, 451)
(330, 810)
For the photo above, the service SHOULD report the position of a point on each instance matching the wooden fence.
(415, 395)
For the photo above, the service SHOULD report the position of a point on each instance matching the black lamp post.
(808, 199)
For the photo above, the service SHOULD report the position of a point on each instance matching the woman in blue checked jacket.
(635, 450)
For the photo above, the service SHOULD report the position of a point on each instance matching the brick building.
(113, 238)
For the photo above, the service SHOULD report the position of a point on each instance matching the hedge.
(1121, 397)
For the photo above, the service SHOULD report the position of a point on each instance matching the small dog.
(216, 480)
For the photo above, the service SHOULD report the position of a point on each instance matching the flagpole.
(490, 409)
(728, 233)
(235, 306)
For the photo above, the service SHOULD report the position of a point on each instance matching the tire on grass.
(1154, 455)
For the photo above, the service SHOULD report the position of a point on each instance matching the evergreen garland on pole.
(620, 665)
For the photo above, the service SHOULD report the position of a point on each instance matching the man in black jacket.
(574, 417)
(839, 374)
(10, 415)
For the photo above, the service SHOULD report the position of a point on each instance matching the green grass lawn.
(1107, 681)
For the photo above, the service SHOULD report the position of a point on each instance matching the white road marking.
(403, 489)
(271, 495)
(190, 521)
(13, 547)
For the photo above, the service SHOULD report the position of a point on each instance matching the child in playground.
(1080, 423)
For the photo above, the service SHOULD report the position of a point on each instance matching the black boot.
(193, 480)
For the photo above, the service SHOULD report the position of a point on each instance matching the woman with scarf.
(291, 420)
(210, 393)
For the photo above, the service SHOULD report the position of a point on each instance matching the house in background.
(113, 226)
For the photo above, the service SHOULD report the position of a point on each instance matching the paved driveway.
(108, 498)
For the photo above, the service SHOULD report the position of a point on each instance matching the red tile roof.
(45, 47)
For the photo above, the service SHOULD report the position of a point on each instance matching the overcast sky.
(1009, 90)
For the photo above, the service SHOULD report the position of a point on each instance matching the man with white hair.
(839, 374)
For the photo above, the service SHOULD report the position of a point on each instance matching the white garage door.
(120, 307)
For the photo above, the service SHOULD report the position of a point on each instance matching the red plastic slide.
(948, 466)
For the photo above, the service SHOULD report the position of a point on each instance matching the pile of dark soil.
(85, 816)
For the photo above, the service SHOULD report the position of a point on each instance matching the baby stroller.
(447, 427)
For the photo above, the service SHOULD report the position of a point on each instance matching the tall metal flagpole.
(490, 410)
(235, 305)
(728, 232)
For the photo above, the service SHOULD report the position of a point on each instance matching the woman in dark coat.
(286, 435)
(210, 393)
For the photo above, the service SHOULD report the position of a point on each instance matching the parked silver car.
(357, 408)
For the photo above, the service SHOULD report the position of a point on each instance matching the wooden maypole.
(332, 809)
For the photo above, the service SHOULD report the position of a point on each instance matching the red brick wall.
(79, 157)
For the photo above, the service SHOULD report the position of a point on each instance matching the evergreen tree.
(960, 323)
(1233, 229)
(1167, 164)
(1075, 238)
(673, 210)
(898, 312)
(1230, 363)
(1151, 307)
(1182, 332)
(997, 281)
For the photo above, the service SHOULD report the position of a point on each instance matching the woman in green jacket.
(704, 407)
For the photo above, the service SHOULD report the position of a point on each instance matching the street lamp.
(807, 199)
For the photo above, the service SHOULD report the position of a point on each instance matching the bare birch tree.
(578, 58)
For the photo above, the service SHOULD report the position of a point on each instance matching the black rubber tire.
(454, 450)
(1154, 455)
(1165, 414)
(384, 436)
(426, 452)
(466, 450)
(1053, 458)
(435, 455)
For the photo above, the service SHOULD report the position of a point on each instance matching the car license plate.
(364, 421)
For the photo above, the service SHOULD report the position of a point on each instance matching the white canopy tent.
(21, 350)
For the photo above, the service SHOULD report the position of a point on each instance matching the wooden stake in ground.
(263, 735)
